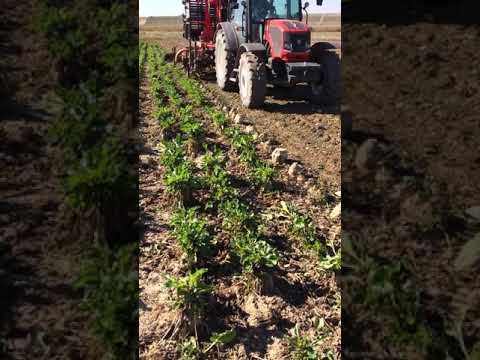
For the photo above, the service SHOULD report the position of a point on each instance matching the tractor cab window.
(283, 9)
(237, 13)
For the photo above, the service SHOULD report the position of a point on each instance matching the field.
(213, 196)
(168, 30)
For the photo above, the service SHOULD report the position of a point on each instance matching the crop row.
(182, 178)
(94, 134)
(176, 102)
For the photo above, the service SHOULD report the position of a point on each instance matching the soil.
(41, 318)
(409, 172)
(295, 293)
(417, 86)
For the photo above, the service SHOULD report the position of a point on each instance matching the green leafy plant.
(302, 228)
(191, 127)
(191, 292)
(110, 282)
(181, 181)
(245, 147)
(189, 349)
(173, 154)
(236, 216)
(301, 347)
(220, 339)
(331, 260)
(165, 117)
(263, 175)
(218, 118)
(254, 254)
(98, 175)
(192, 233)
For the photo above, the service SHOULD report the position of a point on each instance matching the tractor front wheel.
(224, 63)
(328, 90)
(252, 80)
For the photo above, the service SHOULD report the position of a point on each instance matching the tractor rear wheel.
(328, 91)
(224, 63)
(252, 80)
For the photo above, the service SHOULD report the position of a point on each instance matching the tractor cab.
(252, 16)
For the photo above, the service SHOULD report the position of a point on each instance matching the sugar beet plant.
(191, 298)
(192, 233)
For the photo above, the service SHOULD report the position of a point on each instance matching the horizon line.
(316, 13)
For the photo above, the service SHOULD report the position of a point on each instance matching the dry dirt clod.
(238, 119)
(300, 179)
(199, 161)
(279, 156)
(365, 155)
(294, 170)
(250, 130)
(336, 212)
(266, 146)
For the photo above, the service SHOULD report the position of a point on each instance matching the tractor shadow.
(295, 100)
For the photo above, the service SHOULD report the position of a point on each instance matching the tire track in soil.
(309, 133)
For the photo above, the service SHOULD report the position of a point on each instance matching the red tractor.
(252, 43)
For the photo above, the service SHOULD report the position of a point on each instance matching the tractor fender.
(256, 48)
(230, 35)
(318, 48)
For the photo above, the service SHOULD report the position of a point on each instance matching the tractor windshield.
(275, 9)
(284, 9)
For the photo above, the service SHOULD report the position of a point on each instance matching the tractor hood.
(289, 25)
(289, 40)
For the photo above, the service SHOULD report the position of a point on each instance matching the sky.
(174, 7)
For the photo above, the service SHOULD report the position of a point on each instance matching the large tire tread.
(329, 91)
(253, 96)
(228, 60)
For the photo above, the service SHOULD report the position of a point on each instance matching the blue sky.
(174, 7)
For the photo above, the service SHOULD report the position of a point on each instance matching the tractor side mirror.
(306, 5)
(319, 2)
